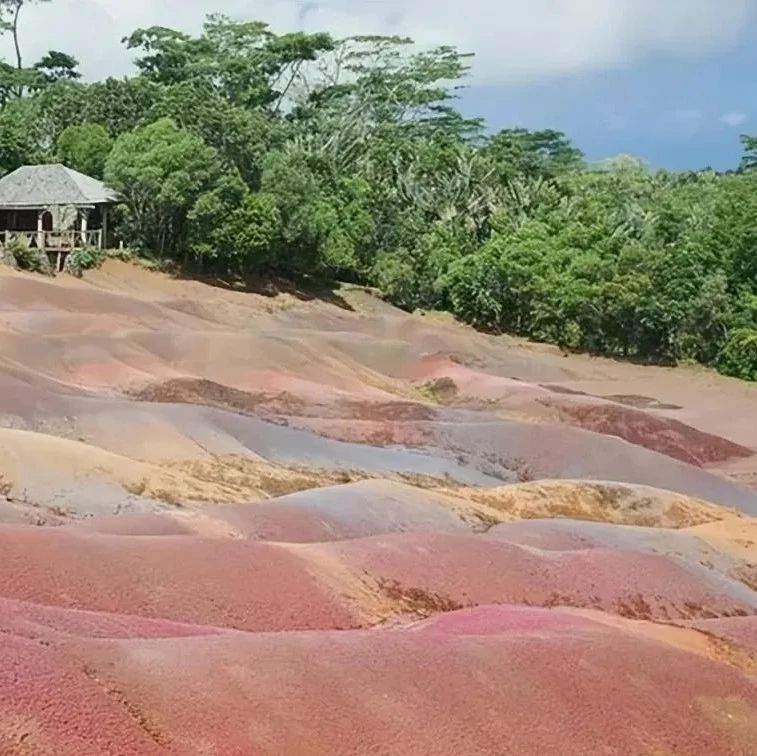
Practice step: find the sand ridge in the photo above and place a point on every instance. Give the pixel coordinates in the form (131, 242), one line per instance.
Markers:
(235, 520)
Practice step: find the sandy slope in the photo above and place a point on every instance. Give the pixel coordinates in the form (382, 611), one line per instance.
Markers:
(493, 680)
(522, 551)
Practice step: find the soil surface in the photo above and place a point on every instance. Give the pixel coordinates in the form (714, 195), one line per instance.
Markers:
(236, 523)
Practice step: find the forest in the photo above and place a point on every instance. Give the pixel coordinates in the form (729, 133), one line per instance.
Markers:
(246, 152)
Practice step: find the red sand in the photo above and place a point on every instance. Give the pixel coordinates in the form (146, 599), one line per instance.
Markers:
(246, 585)
(742, 631)
(296, 625)
(50, 705)
(258, 586)
(478, 389)
(498, 680)
(473, 570)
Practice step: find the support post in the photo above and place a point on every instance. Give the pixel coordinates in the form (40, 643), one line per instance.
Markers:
(40, 230)
(104, 235)
(83, 215)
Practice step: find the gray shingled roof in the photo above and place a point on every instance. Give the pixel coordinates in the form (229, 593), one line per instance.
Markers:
(35, 186)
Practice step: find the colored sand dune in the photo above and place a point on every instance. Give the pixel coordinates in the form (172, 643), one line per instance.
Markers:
(235, 524)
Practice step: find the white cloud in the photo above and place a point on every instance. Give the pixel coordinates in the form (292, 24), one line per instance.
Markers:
(515, 40)
(733, 119)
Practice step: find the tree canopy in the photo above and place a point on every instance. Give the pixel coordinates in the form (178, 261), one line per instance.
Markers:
(244, 151)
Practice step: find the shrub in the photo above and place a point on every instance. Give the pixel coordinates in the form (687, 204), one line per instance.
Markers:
(29, 258)
(85, 258)
(394, 275)
(8, 258)
(739, 355)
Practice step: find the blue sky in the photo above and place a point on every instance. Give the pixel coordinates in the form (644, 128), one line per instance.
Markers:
(674, 112)
(667, 80)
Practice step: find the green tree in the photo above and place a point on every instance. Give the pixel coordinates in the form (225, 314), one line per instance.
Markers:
(19, 137)
(242, 137)
(247, 238)
(57, 66)
(749, 160)
(85, 148)
(545, 154)
(10, 23)
(246, 63)
(121, 105)
(161, 172)
(739, 355)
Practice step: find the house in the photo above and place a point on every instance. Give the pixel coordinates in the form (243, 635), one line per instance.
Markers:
(54, 209)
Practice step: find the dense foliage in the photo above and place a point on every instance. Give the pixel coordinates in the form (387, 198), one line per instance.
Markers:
(243, 151)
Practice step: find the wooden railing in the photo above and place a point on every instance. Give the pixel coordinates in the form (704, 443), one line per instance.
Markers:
(55, 241)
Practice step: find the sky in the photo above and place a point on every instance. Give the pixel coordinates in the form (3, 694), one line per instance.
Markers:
(670, 81)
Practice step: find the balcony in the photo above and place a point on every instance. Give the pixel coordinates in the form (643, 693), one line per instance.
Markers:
(54, 241)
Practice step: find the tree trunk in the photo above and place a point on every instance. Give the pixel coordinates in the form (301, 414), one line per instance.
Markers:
(16, 43)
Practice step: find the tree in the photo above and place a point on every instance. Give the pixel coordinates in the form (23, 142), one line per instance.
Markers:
(535, 154)
(121, 105)
(749, 160)
(161, 171)
(739, 355)
(241, 150)
(85, 148)
(247, 237)
(10, 16)
(19, 143)
(241, 136)
(57, 66)
(245, 62)
(730, 230)
(13, 82)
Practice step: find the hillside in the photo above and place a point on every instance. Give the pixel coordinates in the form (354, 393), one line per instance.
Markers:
(242, 523)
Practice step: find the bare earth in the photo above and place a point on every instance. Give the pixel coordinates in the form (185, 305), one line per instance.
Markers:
(233, 523)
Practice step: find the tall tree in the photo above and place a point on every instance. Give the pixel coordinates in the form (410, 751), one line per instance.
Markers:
(749, 160)
(245, 62)
(57, 66)
(85, 148)
(161, 172)
(545, 154)
(10, 17)
(246, 150)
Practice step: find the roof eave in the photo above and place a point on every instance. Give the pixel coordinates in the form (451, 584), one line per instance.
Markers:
(38, 206)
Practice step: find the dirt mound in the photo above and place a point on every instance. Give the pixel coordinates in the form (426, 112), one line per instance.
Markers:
(660, 434)
(272, 405)
(600, 502)
(184, 579)
(636, 419)
(740, 633)
(641, 402)
(515, 451)
(474, 682)
(210, 393)
(344, 584)
(736, 537)
(79, 479)
(221, 506)
(354, 510)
